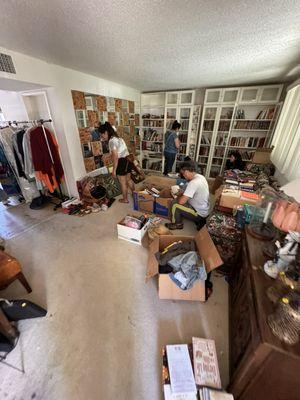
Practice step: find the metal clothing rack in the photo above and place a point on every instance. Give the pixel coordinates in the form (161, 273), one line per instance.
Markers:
(33, 122)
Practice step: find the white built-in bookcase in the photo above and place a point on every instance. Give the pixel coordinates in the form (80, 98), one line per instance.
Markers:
(240, 118)
(158, 111)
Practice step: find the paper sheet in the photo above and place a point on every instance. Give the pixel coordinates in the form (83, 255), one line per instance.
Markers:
(181, 371)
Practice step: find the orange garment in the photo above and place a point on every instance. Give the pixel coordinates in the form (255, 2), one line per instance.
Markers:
(44, 178)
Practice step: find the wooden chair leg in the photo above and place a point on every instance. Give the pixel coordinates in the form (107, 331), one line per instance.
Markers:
(24, 282)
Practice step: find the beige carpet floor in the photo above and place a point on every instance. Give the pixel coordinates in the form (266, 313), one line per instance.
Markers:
(102, 336)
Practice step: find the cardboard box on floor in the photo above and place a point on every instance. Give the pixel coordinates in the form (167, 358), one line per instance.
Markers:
(262, 155)
(130, 234)
(146, 202)
(230, 198)
(166, 287)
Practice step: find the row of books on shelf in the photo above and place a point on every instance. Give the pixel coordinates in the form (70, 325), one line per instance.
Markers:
(152, 135)
(204, 151)
(247, 155)
(183, 137)
(208, 125)
(224, 126)
(255, 141)
(149, 146)
(153, 124)
(152, 116)
(184, 124)
(219, 152)
(259, 125)
(267, 113)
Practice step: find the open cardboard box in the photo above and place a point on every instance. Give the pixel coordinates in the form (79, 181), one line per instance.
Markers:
(166, 287)
(262, 155)
(229, 198)
(148, 203)
(163, 203)
(130, 234)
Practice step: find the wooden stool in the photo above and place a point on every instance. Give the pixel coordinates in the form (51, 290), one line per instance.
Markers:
(10, 270)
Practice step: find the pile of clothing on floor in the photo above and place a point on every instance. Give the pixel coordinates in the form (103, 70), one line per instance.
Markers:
(80, 209)
(226, 235)
(181, 261)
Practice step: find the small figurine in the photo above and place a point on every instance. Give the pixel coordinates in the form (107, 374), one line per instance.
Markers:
(285, 255)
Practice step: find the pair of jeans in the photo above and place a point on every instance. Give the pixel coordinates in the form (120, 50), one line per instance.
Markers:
(169, 161)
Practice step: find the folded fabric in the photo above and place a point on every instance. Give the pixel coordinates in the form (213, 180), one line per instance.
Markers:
(165, 269)
(187, 269)
(173, 250)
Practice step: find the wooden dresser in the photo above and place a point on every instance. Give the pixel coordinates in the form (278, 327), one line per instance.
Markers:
(261, 366)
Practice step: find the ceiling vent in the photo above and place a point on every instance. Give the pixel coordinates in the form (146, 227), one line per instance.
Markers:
(6, 64)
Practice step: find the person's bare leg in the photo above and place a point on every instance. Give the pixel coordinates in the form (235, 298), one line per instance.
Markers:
(130, 183)
(124, 188)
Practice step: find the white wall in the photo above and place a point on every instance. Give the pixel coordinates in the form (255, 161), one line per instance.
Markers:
(12, 106)
(59, 82)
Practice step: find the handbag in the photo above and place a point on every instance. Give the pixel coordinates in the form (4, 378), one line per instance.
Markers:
(137, 174)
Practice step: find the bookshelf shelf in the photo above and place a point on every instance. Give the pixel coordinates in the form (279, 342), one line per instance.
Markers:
(251, 130)
(152, 141)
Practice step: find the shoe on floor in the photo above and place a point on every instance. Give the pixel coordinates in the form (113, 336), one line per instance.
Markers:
(172, 226)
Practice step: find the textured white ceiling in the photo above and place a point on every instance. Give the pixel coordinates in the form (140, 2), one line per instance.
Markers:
(160, 44)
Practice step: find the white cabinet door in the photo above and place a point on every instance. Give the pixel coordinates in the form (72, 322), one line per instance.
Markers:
(213, 96)
(208, 127)
(171, 115)
(270, 94)
(172, 98)
(184, 118)
(230, 95)
(187, 97)
(249, 95)
(220, 139)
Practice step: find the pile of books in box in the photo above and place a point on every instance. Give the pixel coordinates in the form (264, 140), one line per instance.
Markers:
(191, 372)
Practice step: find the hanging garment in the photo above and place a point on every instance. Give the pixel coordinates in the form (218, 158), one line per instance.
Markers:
(7, 178)
(28, 165)
(45, 155)
(17, 140)
(28, 189)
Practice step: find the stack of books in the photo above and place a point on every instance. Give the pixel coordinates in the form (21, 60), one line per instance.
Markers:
(191, 372)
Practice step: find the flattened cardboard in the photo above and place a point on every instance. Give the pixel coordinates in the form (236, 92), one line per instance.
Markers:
(166, 288)
(161, 181)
